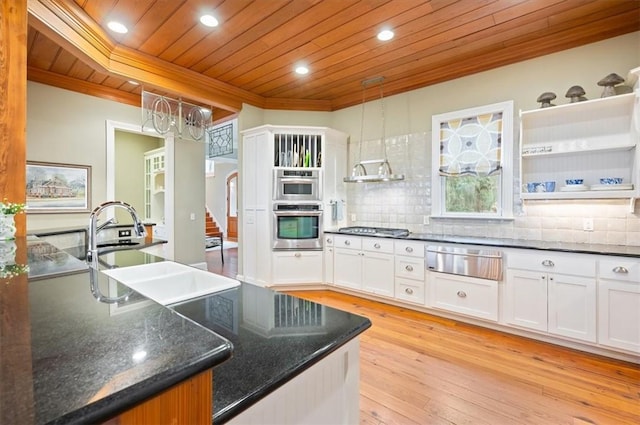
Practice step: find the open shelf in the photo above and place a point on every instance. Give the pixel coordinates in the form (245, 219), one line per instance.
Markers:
(590, 140)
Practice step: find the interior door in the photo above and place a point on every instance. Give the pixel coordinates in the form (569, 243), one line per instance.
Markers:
(232, 207)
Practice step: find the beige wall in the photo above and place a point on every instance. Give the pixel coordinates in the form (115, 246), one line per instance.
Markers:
(67, 127)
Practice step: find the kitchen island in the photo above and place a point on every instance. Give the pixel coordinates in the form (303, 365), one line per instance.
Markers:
(70, 354)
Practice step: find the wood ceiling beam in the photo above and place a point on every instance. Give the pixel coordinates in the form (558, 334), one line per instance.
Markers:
(81, 86)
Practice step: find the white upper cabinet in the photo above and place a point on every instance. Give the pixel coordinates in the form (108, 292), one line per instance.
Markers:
(586, 140)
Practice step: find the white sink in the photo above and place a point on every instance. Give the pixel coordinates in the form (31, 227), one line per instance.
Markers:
(168, 282)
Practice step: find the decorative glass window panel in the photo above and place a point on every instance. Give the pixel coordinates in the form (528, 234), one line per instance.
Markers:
(220, 140)
(471, 146)
(472, 173)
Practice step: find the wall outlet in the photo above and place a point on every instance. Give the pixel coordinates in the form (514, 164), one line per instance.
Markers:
(192, 216)
(587, 224)
(353, 217)
(124, 233)
(425, 220)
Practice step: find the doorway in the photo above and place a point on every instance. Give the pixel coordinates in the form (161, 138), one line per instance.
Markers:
(112, 129)
(232, 206)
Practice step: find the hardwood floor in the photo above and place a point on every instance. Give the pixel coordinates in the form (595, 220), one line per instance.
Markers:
(422, 369)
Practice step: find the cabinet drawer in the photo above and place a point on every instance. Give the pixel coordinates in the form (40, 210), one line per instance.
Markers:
(410, 290)
(410, 268)
(377, 245)
(348, 242)
(623, 269)
(573, 264)
(409, 248)
(465, 295)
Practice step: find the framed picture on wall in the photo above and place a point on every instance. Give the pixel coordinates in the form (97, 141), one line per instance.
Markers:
(58, 188)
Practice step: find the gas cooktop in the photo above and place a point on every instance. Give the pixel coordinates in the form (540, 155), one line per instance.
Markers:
(374, 231)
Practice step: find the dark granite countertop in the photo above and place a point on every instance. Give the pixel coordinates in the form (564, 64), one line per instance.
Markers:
(275, 337)
(69, 358)
(74, 359)
(582, 248)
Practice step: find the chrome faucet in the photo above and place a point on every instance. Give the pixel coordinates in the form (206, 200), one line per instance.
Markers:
(92, 241)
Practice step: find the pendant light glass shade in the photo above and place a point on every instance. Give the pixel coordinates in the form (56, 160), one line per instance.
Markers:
(359, 171)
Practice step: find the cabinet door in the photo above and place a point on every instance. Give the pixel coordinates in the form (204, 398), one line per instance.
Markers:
(328, 259)
(572, 306)
(292, 267)
(377, 273)
(347, 268)
(619, 314)
(525, 299)
(328, 265)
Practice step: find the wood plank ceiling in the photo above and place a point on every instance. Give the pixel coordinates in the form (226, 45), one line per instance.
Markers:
(249, 57)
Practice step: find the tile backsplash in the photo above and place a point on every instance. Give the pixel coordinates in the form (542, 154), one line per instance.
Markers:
(407, 204)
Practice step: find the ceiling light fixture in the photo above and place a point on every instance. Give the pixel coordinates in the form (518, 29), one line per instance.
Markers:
(117, 27)
(359, 172)
(385, 35)
(302, 70)
(133, 83)
(209, 21)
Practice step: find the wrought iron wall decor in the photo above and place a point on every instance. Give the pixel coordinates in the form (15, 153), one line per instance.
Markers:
(164, 114)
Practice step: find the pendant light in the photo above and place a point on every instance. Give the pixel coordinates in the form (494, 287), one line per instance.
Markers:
(359, 171)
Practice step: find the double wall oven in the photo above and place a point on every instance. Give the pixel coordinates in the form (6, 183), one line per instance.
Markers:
(297, 210)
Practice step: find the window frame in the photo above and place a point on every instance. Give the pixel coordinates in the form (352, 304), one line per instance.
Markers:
(505, 195)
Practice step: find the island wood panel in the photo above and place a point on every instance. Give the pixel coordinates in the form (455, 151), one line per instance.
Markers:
(16, 373)
(13, 105)
(422, 369)
(190, 402)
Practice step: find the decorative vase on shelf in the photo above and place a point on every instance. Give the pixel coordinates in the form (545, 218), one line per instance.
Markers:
(7, 227)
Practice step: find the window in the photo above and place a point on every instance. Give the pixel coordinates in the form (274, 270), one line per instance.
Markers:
(472, 154)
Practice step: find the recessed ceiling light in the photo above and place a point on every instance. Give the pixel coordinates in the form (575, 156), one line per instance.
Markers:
(209, 21)
(385, 35)
(117, 27)
(133, 83)
(302, 70)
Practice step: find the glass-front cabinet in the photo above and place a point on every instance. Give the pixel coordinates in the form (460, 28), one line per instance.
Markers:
(154, 188)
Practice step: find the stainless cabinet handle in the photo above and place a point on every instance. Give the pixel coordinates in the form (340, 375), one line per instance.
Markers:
(461, 294)
(409, 291)
(548, 263)
(347, 242)
(408, 268)
(620, 269)
(408, 249)
(376, 246)
(297, 254)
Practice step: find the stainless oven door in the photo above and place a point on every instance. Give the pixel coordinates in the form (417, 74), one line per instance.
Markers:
(297, 230)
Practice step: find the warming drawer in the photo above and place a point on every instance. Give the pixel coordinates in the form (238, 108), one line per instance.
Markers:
(480, 263)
